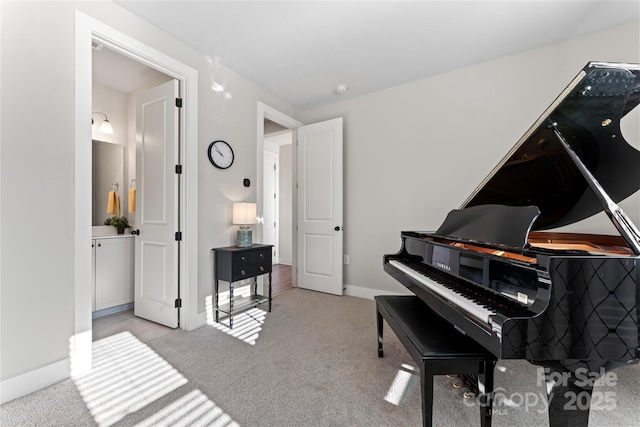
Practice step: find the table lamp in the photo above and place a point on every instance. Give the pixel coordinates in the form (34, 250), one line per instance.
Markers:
(244, 214)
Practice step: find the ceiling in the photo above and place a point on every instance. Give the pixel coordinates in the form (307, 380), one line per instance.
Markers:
(121, 73)
(301, 50)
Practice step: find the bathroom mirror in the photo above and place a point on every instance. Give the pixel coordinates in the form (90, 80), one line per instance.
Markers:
(107, 169)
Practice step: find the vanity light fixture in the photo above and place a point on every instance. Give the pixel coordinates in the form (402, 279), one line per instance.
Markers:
(105, 126)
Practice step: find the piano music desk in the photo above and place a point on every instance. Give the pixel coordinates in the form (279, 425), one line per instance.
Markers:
(437, 348)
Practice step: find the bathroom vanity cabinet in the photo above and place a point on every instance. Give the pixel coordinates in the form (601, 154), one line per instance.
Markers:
(112, 271)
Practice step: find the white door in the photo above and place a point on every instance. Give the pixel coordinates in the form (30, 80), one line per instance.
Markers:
(270, 202)
(320, 206)
(157, 148)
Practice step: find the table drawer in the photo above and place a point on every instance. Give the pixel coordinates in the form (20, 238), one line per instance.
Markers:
(247, 257)
(251, 269)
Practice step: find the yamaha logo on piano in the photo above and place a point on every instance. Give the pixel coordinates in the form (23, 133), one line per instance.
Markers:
(443, 266)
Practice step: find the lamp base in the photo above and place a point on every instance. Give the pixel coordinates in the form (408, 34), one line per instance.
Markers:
(244, 237)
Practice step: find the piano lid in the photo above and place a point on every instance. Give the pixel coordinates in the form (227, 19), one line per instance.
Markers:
(539, 171)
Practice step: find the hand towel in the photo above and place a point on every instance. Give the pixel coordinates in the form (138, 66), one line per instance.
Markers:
(132, 200)
(113, 205)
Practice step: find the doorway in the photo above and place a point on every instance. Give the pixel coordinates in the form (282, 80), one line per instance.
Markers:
(87, 31)
(276, 124)
(277, 205)
(317, 153)
(117, 83)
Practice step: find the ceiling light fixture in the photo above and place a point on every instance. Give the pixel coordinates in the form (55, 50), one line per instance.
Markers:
(105, 126)
(340, 89)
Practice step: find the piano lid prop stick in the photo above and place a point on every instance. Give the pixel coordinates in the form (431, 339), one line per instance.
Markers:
(621, 221)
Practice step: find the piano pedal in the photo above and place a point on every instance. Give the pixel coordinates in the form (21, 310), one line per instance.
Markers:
(459, 384)
(469, 395)
(453, 377)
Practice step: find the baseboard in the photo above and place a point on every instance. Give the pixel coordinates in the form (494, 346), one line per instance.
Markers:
(197, 321)
(35, 380)
(369, 293)
(111, 310)
(285, 261)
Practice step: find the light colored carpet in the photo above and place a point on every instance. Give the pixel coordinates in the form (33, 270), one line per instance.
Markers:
(312, 361)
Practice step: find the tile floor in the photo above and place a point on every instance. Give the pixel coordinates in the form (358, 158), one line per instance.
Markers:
(112, 324)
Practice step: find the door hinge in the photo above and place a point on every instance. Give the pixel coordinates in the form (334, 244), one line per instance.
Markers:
(178, 236)
(179, 102)
(178, 303)
(179, 169)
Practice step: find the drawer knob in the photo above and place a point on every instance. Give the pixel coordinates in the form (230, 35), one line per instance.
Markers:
(261, 255)
(243, 273)
(244, 258)
(261, 268)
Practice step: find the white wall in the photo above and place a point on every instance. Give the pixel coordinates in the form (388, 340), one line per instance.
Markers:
(37, 110)
(416, 151)
(286, 204)
(115, 105)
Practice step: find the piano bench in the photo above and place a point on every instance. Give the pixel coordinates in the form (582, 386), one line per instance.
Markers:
(438, 348)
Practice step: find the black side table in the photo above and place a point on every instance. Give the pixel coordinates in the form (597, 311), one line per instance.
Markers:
(231, 264)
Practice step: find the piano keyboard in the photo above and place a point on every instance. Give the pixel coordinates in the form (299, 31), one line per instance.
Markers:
(440, 286)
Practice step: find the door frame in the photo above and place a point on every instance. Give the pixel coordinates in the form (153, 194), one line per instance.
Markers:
(276, 214)
(88, 29)
(267, 112)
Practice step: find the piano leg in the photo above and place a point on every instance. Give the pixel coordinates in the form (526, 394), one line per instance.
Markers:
(380, 327)
(480, 385)
(569, 399)
(485, 392)
(570, 386)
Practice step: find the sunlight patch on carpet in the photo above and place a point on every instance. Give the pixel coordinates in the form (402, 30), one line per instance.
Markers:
(400, 385)
(246, 325)
(192, 409)
(127, 376)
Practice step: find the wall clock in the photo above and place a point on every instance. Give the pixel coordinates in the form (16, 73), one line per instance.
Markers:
(220, 154)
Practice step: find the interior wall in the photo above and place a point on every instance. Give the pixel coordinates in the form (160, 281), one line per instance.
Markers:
(286, 204)
(37, 159)
(37, 179)
(115, 105)
(414, 152)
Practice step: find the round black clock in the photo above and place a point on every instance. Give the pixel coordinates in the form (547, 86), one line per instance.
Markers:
(220, 154)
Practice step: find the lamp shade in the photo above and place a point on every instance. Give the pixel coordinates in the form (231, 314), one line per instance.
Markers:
(106, 127)
(244, 213)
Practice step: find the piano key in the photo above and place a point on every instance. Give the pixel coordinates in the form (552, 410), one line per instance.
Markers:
(474, 309)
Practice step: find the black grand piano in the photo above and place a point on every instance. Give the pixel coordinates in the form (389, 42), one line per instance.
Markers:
(498, 271)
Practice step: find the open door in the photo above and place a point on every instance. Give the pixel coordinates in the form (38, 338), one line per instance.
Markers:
(320, 206)
(157, 251)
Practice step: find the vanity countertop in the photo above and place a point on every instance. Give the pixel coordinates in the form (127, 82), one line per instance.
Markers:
(108, 232)
(113, 236)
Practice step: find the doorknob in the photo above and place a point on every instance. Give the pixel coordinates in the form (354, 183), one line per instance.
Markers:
(337, 228)
(135, 232)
